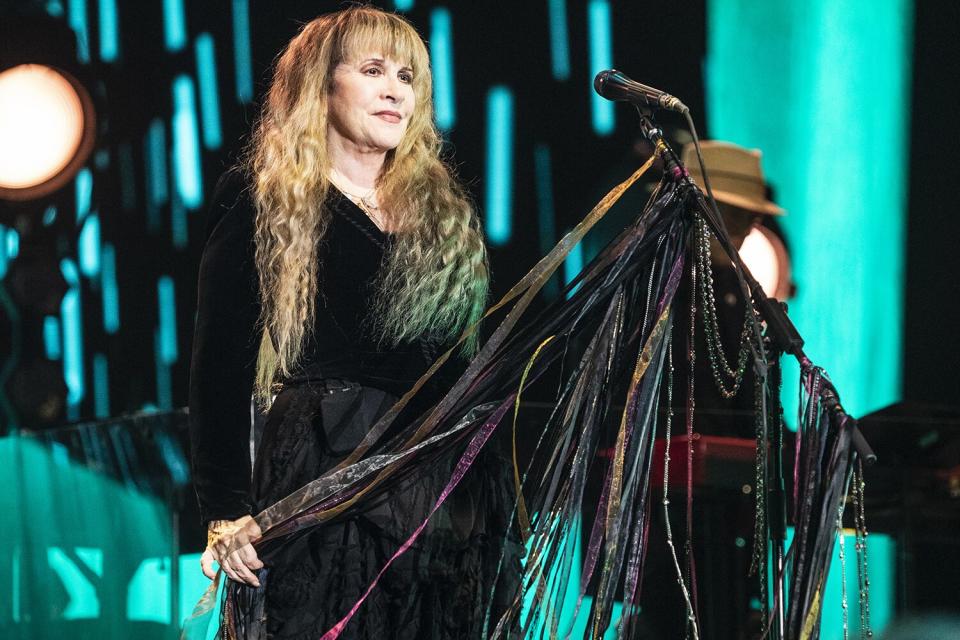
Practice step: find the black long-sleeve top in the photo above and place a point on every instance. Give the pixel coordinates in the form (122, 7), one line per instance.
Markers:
(227, 336)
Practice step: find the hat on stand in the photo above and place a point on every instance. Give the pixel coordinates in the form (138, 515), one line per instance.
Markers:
(735, 175)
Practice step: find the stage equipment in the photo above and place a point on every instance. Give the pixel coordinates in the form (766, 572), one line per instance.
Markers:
(766, 256)
(47, 116)
(46, 130)
(827, 448)
(615, 85)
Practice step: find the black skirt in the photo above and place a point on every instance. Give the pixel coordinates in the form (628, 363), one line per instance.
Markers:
(440, 588)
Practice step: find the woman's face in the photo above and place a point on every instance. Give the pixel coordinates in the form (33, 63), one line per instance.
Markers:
(372, 101)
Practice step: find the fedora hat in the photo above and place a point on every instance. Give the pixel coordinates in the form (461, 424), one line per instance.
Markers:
(735, 175)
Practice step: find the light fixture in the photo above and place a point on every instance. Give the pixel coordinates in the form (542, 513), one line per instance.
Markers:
(766, 256)
(47, 130)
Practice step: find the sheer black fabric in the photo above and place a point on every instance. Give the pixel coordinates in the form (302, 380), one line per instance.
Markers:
(442, 586)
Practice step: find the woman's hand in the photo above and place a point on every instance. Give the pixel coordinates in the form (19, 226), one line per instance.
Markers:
(229, 543)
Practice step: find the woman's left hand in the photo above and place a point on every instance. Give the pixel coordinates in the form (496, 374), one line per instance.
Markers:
(229, 542)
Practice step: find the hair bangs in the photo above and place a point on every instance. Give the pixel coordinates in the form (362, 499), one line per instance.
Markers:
(376, 32)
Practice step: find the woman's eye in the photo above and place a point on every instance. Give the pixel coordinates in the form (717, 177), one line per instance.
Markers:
(406, 77)
(372, 71)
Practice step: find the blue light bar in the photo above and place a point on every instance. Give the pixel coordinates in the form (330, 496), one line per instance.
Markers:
(441, 58)
(167, 318)
(84, 192)
(77, 19)
(49, 215)
(174, 25)
(600, 57)
(155, 155)
(72, 320)
(109, 291)
(89, 246)
(243, 66)
(4, 260)
(51, 337)
(403, 5)
(209, 95)
(164, 383)
(559, 39)
(499, 170)
(573, 265)
(178, 223)
(186, 143)
(13, 243)
(109, 33)
(101, 386)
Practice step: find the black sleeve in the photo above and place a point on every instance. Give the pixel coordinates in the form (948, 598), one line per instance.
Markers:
(225, 344)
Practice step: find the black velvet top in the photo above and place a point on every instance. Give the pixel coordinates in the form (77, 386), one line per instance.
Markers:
(226, 337)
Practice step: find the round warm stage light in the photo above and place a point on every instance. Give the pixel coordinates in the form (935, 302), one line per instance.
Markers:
(766, 258)
(46, 130)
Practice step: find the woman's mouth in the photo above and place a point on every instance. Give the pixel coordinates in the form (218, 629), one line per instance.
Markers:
(388, 116)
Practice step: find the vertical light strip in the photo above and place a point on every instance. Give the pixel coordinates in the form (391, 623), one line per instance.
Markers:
(441, 59)
(572, 266)
(178, 223)
(167, 320)
(88, 248)
(77, 19)
(600, 58)
(174, 25)
(101, 386)
(403, 5)
(109, 290)
(109, 31)
(832, 122)
(51, 338)
(546, 214)
(499, 169)
(4, 260)
(164, 383)
(243, 66)
(72, 320)
(12, 241)
(559, 39)
(209, 94)
(155, 155)
(186, 143)
(83, 189)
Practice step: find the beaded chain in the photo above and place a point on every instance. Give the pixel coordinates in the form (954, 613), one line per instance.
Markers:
(718, 361)
(860, 527)
(843, 573)
(758, 561)
(691, 615)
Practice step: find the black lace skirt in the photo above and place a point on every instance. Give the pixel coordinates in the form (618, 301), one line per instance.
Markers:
(440, 588)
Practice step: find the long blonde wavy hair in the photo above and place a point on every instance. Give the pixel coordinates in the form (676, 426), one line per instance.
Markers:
(435, 279)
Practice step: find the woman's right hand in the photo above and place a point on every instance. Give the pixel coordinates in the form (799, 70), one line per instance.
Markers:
(229, 542)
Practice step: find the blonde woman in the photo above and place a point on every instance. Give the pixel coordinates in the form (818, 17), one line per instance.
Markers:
(342, 256)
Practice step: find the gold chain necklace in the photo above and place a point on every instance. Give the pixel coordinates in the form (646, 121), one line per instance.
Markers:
(371, 210)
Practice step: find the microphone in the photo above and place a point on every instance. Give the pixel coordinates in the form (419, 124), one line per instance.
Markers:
(615, 85)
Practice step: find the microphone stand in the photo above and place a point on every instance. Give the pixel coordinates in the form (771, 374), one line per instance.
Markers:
(782, 337)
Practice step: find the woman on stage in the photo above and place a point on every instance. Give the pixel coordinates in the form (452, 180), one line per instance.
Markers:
(343, 255)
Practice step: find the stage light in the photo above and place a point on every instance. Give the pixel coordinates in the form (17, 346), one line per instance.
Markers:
(766, 257)
(46, 130)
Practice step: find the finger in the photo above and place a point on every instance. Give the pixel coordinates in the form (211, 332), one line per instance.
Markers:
(206, 564)
(229, 570)
(249, 556)
(241, 569)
